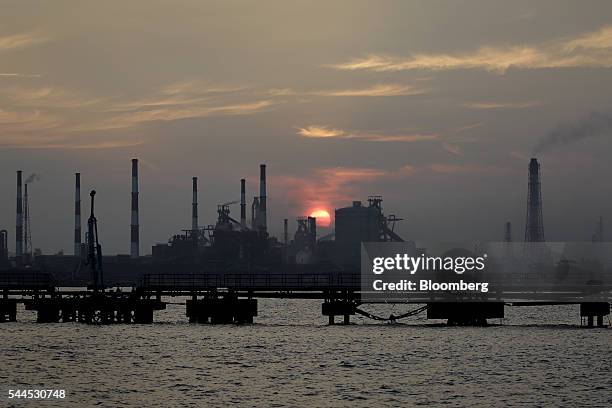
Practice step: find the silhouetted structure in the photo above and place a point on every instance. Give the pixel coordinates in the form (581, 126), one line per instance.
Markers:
(77, 214)
(263, 212)
(27, 232)
(534, 230)
(194, 207)
(3, 248)
(19, 221)
(508, 232)
(94, 249)
(243, 222)
(357, 224)
(135, 239)
(285, 231)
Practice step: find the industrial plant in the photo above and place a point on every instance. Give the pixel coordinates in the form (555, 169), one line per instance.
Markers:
(232, 245)
(224, 266)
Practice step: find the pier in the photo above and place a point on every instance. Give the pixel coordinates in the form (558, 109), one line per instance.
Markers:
(231, 299)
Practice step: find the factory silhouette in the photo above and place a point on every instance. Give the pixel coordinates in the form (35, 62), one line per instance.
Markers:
(235, 245)
(223, 268)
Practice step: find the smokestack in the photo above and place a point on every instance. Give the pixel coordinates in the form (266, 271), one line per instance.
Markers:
(312, 230)
(27, 240)
(243, 220)
(134, 236)
(77, 214)
(3, 247)
(286, 232)
(262, 197)
(534, 229)
(194, 206)
(19, 220)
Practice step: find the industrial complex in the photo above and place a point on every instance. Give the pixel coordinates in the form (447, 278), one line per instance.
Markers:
(224, 266)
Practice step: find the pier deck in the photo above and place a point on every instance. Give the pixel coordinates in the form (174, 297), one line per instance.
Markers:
(230, 298)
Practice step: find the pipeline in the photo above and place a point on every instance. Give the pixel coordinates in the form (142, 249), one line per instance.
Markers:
(391, 317)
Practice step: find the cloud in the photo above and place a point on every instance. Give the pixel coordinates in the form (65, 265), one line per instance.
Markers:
(27, 121)
(199, 87)
(469, 127)
(179, 100)
(18, 75)
(451, 148)
(601, 39)
(68, 144)
(16, 41)
(327, 132)
(588, 50)
(46, 97)
(55, 112)
(130, 119)
(321, 132)
(376, 91)
(281, 92)
(502, 105)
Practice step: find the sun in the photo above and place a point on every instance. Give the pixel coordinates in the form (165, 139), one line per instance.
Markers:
(322, 216)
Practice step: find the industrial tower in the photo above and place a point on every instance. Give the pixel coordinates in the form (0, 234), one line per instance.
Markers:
(534, 229)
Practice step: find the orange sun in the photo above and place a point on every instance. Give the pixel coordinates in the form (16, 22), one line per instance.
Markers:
(322, 216)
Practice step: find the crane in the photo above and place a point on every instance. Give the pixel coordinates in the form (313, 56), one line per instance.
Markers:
(94, 249)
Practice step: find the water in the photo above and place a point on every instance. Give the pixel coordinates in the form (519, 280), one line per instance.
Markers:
(290, 357)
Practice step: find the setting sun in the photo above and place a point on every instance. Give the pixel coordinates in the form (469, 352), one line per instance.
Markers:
(322, 216)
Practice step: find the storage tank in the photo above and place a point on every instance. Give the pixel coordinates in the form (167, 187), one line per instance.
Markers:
(354, 225)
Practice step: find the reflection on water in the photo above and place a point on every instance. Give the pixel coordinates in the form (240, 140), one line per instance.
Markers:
(291, 358)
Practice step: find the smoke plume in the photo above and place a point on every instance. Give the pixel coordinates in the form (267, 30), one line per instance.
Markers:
(596, 124)
(32, 178)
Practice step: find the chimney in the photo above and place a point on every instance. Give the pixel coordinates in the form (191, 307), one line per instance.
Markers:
(194, 206)
(134, 236)
(243, 203)
(312, 230)
(286, 232)
(534, 230)
(77, 214)
(262, 197)
(19, 220)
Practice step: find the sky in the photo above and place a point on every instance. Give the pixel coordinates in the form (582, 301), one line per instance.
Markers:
(437, 106)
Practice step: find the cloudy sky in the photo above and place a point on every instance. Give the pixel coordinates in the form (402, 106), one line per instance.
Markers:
(436, 105)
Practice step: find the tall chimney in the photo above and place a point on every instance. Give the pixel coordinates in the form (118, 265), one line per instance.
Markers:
(312, 230)
(134, 236)
(262, 197)
(534, 229)
(77, 214)
(194, 207)
(286, 231)
(19, 220)
(243, 220)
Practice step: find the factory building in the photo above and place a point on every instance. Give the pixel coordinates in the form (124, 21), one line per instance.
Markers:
(359, 223)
